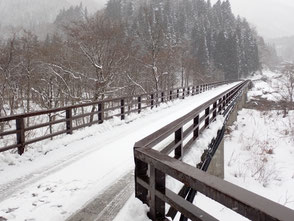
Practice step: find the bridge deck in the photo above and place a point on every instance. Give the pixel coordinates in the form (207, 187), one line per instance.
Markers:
(54, 186)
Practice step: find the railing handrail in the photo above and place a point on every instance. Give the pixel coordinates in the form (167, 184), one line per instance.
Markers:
(102, 109)
(152, 166)
(250, 205)
(54, 110)
(175, 125)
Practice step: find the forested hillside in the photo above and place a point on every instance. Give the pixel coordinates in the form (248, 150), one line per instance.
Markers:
(210, 36)
(131, 47)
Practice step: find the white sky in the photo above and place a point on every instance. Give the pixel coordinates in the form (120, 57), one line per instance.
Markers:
(272, 18)
(101, 2)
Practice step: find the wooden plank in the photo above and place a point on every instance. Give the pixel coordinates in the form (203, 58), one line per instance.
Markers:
(246, 203)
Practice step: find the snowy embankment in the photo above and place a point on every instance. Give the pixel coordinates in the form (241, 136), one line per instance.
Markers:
(259, 155)
(53, 180)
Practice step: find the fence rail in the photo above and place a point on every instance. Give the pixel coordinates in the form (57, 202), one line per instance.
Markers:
(65, 120)
(159, 155)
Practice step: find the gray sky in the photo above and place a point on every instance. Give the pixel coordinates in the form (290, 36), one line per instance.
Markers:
(272, 18)
(101, 3)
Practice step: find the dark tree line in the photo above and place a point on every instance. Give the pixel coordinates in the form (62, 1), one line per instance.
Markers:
(216, 42)
(130, 47)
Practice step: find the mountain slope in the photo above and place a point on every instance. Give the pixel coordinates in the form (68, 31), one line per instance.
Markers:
(29, 13)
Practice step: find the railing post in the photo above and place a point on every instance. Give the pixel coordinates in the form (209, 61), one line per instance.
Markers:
(152, 101)
(157, 206)
(184, 93)
(178, 93)
(162, 97)
(139, 104)
(193, 90)
(122, 109)
(220, 105)
(68, 116)
(20, 135)
(171, 95)
(207, 115)
(214, 109)
(188, 91)
(141, 169)
(196, 130)
(178, 138)
(101, 112)
(226, 100)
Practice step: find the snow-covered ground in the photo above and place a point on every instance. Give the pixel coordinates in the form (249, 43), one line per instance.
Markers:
(53, 180)
(259, 154)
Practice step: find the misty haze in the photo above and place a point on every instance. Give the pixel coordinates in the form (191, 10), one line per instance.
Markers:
(139, 110)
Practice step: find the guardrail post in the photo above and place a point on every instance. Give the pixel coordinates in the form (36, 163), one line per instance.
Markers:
(171, 95)
(193, 90)
(152, 101)
(196, 130)
(220, 105)
(183, 93)
(207, 115)
(157, 206)
(178, 92)
(139, 104)
(178, 138)
(141, 169)
(101, 112)
(68, 114)
(20, 135)
(122, 109)
(225, 100)
(162, 97)
(214, 109)
(188, 92)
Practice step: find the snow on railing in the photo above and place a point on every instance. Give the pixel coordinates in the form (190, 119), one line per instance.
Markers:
(54, 122)
(160, 155)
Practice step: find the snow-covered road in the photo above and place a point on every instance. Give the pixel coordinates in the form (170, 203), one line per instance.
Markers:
(81, 166)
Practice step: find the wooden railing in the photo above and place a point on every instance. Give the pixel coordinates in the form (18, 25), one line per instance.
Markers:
(51, 123)
(160, 155)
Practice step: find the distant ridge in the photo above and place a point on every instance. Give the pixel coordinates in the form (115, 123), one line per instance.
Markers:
(29, 13)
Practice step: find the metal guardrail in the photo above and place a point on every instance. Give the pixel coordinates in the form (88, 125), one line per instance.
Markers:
(97, 113)
(153, 162)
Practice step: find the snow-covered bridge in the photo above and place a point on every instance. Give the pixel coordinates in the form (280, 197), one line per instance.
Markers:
(91, 167)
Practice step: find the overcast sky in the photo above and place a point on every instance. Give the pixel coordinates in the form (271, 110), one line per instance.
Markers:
(272, 18)
(101, 2)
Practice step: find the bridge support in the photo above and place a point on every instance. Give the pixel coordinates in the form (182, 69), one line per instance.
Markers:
(216, 166)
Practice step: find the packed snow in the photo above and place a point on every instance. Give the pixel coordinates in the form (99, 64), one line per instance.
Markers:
(53, 180)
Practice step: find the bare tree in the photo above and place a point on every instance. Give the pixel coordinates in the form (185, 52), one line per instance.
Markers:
(286, 88)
